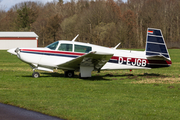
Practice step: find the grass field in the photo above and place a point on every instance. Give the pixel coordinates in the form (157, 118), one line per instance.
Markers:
(115, 95)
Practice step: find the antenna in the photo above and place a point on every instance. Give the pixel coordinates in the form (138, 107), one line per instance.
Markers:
(75, 38)
(116, 46)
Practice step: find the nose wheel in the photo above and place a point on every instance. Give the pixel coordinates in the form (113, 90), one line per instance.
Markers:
(35, 75)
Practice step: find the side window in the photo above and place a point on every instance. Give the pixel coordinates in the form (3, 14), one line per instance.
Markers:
(81, 48)
(65, 47)
(53, 45)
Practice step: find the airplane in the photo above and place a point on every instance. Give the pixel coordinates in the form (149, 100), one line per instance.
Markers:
(71, 56)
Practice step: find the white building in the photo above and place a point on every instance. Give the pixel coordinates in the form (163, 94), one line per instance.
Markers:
(10, 40)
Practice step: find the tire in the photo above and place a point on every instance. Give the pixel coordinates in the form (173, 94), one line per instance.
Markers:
(80, 76)
(69, 74)
(35, 75)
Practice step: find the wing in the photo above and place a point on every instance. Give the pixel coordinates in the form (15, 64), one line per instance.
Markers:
(92, 59)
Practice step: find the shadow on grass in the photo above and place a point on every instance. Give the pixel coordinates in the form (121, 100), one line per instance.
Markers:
(140, 75)
(97, 78)
(94, 78)
(107, 77)
(136, 76)
(55, 74)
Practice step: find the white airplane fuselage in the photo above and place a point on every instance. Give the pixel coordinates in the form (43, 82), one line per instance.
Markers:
(122, 59)
(61, 52)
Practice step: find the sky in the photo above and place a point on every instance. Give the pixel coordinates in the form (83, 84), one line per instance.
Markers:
(7, 4)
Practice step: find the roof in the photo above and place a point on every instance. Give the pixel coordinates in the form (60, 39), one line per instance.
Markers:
(18, 34)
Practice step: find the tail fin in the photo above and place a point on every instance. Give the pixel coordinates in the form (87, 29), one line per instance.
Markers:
(155, 44)
(156, 47)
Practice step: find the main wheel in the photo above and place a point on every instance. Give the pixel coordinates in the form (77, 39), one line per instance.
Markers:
(35, 75)
(69, 73)
(80, 76)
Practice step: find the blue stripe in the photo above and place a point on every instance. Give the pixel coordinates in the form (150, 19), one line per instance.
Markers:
(113, 61)
(72, 56)
(51, 54)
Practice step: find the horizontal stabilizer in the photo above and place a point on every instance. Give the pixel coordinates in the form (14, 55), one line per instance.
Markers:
(158, 57)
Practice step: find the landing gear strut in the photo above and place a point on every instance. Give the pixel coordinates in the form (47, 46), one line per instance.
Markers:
(35, 75)
(69, 73)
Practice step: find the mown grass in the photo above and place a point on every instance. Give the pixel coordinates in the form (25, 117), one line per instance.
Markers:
(140, 94)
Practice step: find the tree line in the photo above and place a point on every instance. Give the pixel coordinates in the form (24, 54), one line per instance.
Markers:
(101, 22)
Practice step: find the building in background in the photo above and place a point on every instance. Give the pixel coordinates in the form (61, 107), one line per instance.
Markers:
(10, 40)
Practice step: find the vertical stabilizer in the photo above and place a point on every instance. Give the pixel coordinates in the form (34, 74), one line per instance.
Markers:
(155, 44)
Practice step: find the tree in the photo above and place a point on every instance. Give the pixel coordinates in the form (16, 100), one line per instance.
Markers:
(53, 26)
(105, 34)
(26, 16)
(129, 26)
(69, 27)
(7, 20)
(103, 22)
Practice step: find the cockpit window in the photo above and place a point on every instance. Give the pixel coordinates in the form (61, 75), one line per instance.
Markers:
(53, 45)
(82, 48)
(65, 47)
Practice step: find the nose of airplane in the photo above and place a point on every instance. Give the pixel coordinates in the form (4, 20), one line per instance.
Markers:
(12, 51)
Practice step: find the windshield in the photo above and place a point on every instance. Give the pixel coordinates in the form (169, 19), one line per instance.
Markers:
(53, 45)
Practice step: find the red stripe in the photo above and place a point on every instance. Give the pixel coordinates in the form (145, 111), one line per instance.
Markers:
(115, 57)
(17, 38)
(48, 51)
